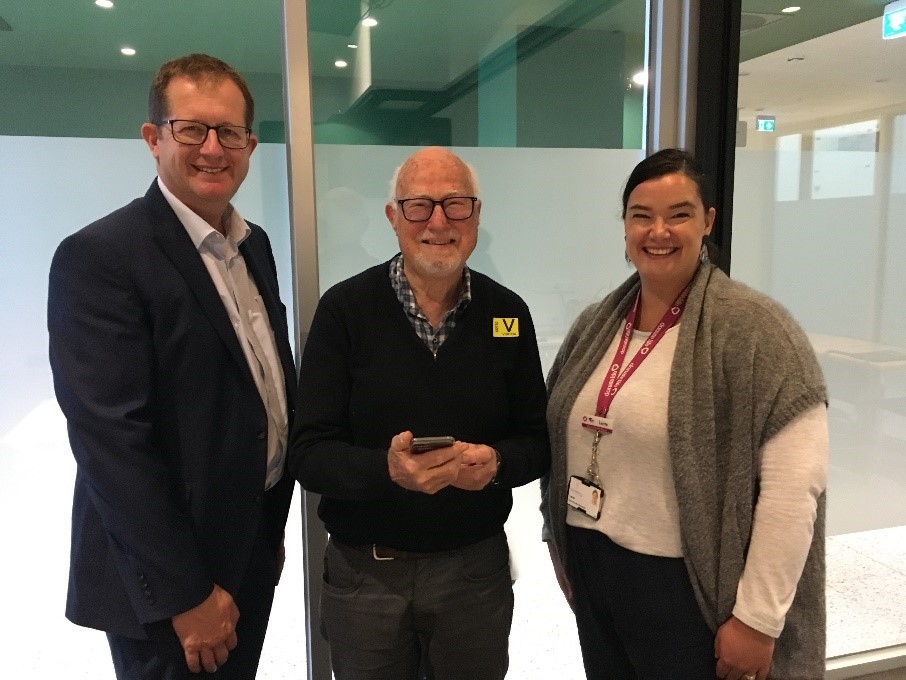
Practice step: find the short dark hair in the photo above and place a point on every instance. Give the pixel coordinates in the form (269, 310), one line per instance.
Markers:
(668, 162)
(200, 68)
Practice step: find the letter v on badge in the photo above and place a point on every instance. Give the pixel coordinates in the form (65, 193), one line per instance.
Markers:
(506, 327)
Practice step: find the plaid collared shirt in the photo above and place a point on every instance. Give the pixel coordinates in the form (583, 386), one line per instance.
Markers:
(432, 337)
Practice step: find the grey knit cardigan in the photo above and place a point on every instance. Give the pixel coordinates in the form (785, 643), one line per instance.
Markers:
(743, 369)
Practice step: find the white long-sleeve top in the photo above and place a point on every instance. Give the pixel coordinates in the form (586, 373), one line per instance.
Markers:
(640, 510)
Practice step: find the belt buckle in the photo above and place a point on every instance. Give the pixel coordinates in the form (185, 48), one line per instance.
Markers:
(377, 557)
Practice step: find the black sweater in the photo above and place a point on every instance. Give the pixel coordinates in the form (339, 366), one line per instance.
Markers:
(366, 376)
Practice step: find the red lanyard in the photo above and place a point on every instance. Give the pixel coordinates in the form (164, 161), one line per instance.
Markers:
(616, 378)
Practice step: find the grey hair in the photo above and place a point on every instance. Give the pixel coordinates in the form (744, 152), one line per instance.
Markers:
(473, 180)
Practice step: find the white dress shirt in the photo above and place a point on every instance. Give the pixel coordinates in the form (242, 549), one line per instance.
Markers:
(237, 290)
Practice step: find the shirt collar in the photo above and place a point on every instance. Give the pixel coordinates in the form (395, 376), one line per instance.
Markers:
(404, 291)
(237, 230)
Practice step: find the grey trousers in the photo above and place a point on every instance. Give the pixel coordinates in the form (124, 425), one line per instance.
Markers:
(446, 616)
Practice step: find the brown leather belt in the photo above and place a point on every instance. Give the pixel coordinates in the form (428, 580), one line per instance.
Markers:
(383, 553)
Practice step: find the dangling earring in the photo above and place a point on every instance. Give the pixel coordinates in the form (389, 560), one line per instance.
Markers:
(703, 253)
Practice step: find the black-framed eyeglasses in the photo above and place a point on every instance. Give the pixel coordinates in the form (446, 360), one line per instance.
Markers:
(195, 133)
(454, 207)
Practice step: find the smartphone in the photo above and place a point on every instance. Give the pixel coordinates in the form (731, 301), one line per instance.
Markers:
(422, 444)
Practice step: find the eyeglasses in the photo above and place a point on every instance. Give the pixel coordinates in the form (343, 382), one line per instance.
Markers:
(196, 133)
(454, 207)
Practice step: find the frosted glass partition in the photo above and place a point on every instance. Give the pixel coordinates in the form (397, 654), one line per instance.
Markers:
(844, 160)
(550, 222)
(834, 258)
(789, 160)
(49, 188)
(836, 264)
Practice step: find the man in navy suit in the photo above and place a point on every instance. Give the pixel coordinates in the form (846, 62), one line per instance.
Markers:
(172, 364)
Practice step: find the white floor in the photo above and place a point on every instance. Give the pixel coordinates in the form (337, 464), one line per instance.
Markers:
(866, 591)
(866, 579)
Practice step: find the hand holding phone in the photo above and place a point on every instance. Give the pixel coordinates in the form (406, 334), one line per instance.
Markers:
(416, 464)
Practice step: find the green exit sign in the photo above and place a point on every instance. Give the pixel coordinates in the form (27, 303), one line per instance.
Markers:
(894, 20)
(765, 123)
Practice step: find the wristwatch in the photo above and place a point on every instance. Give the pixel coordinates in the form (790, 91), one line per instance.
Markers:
(495, 480)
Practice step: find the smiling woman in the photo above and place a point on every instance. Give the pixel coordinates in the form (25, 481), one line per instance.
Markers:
(666, 221)
(707, 471)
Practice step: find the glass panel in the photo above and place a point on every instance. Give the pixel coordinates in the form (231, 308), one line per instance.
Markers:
(538, 97)
(540, 74)
(817, 225)
(844, 160)
(70, 152)
(789, 165)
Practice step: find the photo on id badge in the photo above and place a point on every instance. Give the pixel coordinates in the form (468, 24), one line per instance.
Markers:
(585, 496)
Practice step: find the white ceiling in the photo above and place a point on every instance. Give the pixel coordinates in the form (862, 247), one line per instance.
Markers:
(841, 76)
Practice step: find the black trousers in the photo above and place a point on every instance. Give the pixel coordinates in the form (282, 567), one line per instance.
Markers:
(637, 615)
(161, 656)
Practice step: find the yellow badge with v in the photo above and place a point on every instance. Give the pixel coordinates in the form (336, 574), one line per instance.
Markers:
(506, 327)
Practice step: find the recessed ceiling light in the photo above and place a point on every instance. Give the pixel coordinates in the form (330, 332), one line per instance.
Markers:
(106, 4)
(128, 51)
(339, 63)
(352, 46)
(790, 10)
(369, 22)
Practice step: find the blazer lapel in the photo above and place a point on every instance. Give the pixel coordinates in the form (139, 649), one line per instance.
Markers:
(174, 241)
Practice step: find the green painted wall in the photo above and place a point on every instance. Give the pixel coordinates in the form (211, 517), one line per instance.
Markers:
(59, 102)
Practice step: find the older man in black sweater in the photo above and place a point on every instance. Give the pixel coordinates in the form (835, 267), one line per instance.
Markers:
(417, 567)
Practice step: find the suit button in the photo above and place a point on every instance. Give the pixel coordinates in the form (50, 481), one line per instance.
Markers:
(262, 434)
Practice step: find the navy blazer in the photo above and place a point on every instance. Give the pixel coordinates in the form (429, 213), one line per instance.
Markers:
(166, 425)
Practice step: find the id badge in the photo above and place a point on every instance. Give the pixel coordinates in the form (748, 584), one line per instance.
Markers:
(585, 496)
(597, 423)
